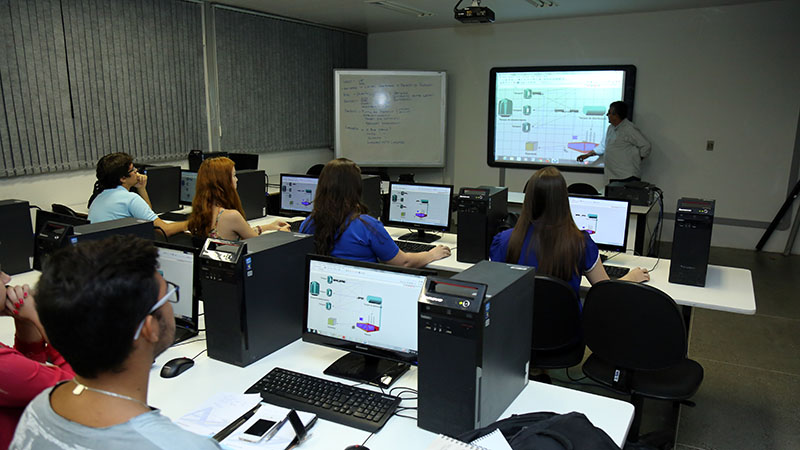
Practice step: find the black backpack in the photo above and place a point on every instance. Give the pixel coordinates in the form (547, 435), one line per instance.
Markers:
(546, 431)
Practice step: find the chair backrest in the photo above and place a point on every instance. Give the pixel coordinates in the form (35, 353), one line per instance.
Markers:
(62, 209)
(556, 314)
(633, 326)
(315, 170)
(582, 188)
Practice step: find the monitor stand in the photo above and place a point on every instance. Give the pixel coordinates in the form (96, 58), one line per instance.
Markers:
(419, 236)
(367, 369)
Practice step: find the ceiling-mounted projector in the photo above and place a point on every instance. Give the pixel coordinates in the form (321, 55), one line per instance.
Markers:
(473, 14)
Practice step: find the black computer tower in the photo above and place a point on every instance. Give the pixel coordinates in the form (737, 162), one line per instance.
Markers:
(481, 210)
(371, 195)
(474, 352)
(691, 241)
(16, 236)
(163, 187)
(252, 188)
(253, 292)
(129, 226)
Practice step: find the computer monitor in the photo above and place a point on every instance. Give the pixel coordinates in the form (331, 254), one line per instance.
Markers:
(604, 219)
(367, 309)
(188, 186)
(129, 226)
(164, 187)
(421, 207)
(244, 161)
(177, 264)
(297, 194)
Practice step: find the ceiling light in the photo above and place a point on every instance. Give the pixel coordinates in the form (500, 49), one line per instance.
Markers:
(542, 3)
(398, 7)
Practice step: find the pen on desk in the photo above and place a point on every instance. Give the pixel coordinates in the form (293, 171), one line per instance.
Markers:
(225, 432)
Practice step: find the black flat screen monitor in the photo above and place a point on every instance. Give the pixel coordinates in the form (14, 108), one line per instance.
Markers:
(548, 116)
(367, 309)
(163, 187)
(297, 194)
(604, 219)
(177, 264)
(421, 207)
(188, 186)
(244, 161)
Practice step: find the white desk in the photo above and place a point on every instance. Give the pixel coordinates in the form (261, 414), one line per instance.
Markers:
(188, 391)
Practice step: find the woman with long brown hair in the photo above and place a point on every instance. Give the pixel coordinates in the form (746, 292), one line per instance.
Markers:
(216, 208)
(341, 227)
(546, 236)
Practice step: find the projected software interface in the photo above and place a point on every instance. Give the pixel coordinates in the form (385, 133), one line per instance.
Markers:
(177, 266)
(605, 220)
(297, 193)
(363, 305)
(552, 117)
(417, 204)
(188, 183)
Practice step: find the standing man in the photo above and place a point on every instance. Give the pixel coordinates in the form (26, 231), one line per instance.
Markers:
(107, 309)
(624, 149)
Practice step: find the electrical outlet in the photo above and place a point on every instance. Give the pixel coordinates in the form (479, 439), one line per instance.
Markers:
(709, 145)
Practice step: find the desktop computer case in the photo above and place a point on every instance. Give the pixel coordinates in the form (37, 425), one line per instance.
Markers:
(691, 241)
(253, 303)
(16, 236)
(472, 366)
(252, 188)
(478, 219)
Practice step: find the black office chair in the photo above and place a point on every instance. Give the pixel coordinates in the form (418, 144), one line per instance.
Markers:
(639, 344)
(66, 210)
(315, 170)
(582, 189)
(557, 341)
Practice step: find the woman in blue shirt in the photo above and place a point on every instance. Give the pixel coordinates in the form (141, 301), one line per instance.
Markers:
(546, 236)
(342, 229)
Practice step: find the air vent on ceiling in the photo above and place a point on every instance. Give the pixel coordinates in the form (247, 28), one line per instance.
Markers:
(542, 3)
(399, 7)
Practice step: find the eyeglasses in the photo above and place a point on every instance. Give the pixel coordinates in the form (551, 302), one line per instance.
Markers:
(168, 297)
(134, 170)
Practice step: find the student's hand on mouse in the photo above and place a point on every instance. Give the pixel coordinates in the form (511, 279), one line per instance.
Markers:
(280, 226)
(637, 275)
(440, 252)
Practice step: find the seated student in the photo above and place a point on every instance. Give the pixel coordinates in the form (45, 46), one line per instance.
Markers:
(24, 371)
(112, 199)
(217, 210)
(107, 309)
(546, 236)
(341, 227)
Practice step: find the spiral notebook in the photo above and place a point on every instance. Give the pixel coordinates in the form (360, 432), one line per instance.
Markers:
(492, 441)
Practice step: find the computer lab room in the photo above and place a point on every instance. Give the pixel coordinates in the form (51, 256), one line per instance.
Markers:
(389, 224)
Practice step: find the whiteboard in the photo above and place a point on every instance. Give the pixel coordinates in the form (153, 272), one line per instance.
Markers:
(390, 118)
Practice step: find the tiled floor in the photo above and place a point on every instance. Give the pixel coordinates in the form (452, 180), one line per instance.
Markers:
(750, 396)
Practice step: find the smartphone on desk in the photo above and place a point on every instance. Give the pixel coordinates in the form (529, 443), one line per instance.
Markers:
(263, 428)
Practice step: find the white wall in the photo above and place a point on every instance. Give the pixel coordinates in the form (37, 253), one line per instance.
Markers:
(727, 74)
(74, 188)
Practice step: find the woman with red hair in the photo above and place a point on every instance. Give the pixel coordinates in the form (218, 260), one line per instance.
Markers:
(217, 210)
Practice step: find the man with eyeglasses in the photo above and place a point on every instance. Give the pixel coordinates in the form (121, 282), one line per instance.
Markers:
(112, 197)
(104, 305)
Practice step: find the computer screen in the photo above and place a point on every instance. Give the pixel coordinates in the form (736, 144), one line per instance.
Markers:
(164, 187)
(549, 115)
(366, 308)
(188, 185)
(420, 206)
(177, 264)
(297, 193)
(604, 219)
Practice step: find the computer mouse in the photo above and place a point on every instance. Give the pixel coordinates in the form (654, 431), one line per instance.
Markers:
(175, 367)
(356, 447)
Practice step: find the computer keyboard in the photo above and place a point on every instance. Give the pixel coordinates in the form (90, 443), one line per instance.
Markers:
(174, 216)
(355, 407)
(615, 272)
(413, 247)
(296, 225)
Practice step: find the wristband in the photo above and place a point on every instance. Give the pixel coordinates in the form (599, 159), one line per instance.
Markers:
(258, 227)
